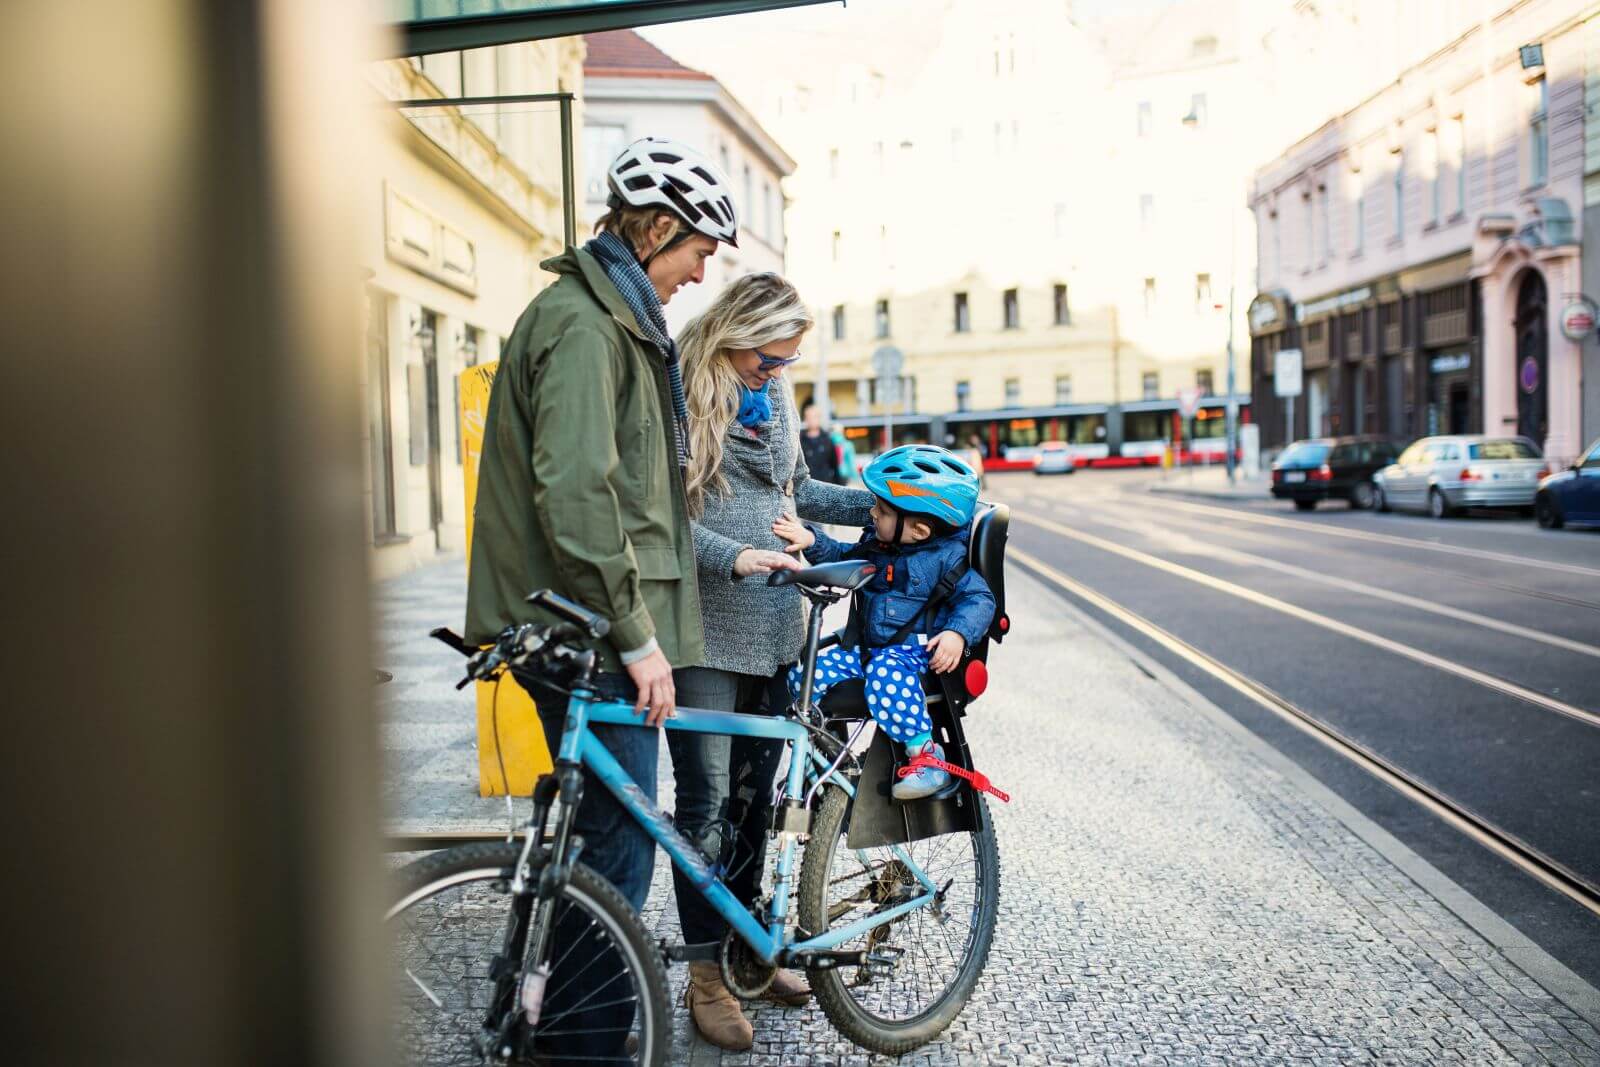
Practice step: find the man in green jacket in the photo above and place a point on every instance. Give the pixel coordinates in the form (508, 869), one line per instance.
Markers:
(581, 491)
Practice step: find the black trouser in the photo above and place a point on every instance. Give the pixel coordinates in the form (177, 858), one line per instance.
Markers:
(724, 790)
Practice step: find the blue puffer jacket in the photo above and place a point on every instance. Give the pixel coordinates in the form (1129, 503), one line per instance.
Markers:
(905, 580)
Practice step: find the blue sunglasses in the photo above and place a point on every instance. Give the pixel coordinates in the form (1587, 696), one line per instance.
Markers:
(769, 362)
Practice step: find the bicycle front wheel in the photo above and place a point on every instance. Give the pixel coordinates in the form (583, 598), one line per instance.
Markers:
(605, 1001)
(923, 966)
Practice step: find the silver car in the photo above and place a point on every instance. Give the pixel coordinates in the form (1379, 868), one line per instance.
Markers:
(1442, 475)
(1054, 458)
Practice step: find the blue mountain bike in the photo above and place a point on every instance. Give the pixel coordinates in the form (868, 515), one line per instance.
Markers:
(517, 952)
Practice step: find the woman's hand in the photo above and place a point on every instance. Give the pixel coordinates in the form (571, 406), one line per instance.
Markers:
(760, 561)
(944, 651)
(795, 532)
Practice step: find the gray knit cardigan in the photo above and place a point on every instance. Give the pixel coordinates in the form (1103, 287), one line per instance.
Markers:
(751, 627)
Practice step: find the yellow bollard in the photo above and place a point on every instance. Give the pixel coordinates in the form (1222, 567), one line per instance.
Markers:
(512, 752)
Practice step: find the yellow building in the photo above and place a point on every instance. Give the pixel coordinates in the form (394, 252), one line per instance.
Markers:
(464, 204)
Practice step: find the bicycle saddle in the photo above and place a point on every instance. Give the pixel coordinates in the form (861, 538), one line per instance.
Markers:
(846, 574)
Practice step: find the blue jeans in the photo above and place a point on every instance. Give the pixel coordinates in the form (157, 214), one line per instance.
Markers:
(618, 850)
(724, 791)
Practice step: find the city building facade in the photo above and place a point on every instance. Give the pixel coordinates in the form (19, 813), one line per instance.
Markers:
(633, 89)
(465, 203)
(1421, 246)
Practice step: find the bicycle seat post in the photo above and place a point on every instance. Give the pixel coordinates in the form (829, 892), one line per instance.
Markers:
(819, 599)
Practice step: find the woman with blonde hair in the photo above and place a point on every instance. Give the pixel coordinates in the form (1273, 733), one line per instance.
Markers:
(745, 472)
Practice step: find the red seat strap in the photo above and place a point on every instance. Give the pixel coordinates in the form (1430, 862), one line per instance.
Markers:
(979, 780)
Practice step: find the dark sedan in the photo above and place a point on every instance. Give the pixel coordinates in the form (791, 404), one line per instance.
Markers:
(1331, 468)
(1572, 495)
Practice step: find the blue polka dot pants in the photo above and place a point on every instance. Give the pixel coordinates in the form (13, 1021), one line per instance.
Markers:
(893, 685)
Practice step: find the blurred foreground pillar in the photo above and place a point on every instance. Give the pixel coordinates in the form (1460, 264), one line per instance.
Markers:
(186, 689)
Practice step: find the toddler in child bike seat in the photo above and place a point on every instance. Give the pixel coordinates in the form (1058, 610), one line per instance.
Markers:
(923, 586)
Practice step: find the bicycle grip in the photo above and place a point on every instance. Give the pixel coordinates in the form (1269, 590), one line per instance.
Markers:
(591, 624)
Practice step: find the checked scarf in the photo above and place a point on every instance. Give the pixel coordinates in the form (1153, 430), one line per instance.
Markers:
(627, 274)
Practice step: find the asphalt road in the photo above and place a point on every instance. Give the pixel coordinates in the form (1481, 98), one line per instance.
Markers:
(1467, 652)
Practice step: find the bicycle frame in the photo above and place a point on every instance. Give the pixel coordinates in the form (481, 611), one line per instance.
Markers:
(579, 745)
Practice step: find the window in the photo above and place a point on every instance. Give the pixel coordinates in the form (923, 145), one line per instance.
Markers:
(1149, 296)
(1063, 309)
(1196, 119)
(1398, 193)
(963, 396)
(880, 320)
(1144, 118)
(963, 322)
(1201, 47)
(1434, 162)
(1202, 292)
(766, 208)
(471, 346)
(1147, 211)
(1277, 244)
(601, 144)
(1008, 303)
(833, 162)
(1358, 215)
(1504, 448)
(1324, 223)
(1538, 132)
(1458, 161)
(1061, 221)
(749, 189)
(838, 322)
(1063, 389)
(727, 161)
(1310, 231)
(838, 243)
(1203, 382)
(1013, 392)
(380, 438)
(1152, 385)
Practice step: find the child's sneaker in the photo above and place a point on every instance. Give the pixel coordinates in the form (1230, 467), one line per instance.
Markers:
(924, 781)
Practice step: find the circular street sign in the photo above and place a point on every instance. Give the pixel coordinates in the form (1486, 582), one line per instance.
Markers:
(1577, 320)
(1528, 375)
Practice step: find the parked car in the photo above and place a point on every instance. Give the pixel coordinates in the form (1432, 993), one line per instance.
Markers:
(1572, 495)
(1054, 458)
(1442, 475)
(1331, 468)
(973, 458)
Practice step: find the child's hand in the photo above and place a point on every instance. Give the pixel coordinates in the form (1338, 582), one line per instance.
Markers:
(944, 651)
(794, 531)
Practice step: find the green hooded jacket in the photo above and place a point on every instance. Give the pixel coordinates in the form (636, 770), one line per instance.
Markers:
(579, 488)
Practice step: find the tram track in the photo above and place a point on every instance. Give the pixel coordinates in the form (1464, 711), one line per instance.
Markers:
(1508, 846)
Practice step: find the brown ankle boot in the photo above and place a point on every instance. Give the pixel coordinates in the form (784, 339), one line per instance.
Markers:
(788, 989)
(715, 1011)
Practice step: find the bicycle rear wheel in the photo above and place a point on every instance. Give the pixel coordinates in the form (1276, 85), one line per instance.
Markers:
(605, 1002)
(924, 964)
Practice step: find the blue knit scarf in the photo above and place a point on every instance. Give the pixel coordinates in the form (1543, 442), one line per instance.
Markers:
(755, 407)
(627, 274)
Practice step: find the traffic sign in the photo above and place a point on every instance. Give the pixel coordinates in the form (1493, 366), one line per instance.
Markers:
(1189, 401)
(1286, 372)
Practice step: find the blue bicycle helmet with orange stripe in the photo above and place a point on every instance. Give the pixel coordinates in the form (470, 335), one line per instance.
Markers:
(924, 480)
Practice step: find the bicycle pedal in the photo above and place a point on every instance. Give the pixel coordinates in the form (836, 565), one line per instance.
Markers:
(881, 961)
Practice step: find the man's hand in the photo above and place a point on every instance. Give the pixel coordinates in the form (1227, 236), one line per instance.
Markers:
(944, 651)
(653, 676)
(794, 531)
(760, 561)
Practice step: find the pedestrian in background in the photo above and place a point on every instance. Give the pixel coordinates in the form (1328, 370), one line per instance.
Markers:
(745, 473)
(581, 491)
(822, 459)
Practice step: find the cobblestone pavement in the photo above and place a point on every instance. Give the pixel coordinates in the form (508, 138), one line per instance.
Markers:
(1168, 896)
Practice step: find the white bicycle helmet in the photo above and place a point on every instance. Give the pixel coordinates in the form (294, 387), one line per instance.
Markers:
(656, 172)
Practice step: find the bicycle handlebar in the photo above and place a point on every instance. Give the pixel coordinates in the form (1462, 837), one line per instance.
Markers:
(591, 625)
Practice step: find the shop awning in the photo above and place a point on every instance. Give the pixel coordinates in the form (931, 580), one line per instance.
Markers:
(447, 25)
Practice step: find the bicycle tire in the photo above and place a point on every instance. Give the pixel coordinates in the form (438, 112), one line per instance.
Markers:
(489, 863)
(849, 1016)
